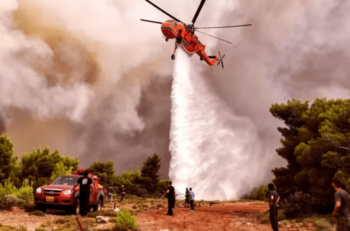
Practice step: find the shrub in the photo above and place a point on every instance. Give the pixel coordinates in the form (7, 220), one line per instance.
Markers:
(298, 205)
(323, 225)
(265, 217)
(9, 201)
(26, 191)
(125, 218)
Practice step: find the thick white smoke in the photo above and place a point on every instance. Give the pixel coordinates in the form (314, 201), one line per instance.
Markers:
(210, 146)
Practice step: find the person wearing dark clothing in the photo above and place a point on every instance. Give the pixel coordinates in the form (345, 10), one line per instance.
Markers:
(122, 193)
(85, 187)
(187, 198)
(171, 198)
(341, 209)
(110, 193)
(273, 198)
(191, 200)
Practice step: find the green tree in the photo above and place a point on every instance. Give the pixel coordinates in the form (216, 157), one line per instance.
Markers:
(38, 166)
(59, 170)
(105, 171)
(316, 146)
(130, 179)
(291, 114)
(149, 173)
(7, 161)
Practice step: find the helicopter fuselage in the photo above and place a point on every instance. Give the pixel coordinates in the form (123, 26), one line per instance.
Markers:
(184, 35)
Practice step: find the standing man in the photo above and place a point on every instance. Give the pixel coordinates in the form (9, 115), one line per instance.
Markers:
(110, 193)
(85, 188)
(274, 198)
(341, 198)
(192, 200)
(171, 198)
(122, 193)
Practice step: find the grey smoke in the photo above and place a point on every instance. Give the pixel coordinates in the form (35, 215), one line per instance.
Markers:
(122, 110)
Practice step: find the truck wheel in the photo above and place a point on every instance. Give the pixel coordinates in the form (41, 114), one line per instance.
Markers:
(41, 208)
(98, 206)
(76, 207)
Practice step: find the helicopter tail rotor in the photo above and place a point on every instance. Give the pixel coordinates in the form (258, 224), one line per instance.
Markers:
(221, 60)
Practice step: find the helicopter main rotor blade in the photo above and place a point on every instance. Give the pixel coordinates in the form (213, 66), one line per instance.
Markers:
(223, 26)
(144, 20)
(198, 11)
(214, 37)
(163, 11)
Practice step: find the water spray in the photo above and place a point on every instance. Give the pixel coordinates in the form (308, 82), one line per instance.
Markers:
(210, 146)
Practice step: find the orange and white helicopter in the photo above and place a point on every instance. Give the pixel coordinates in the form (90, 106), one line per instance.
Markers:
(184, 34)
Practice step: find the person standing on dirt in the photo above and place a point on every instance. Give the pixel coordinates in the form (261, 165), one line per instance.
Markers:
(171, 198)
(274, 198)
(187, 198)
(192, 200)
(122, 193)
(341, 198)
(85, 188)
(110, 193)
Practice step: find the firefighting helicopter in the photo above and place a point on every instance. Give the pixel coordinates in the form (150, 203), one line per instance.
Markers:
(184, 34)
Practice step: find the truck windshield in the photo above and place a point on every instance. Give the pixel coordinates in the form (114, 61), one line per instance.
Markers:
(65, 180)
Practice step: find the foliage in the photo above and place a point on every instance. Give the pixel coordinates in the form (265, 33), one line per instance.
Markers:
(8, 202)
(163, 185)
(149, 173)
(60, 169)
(316, 145)
(126, 218)
(265, 216)
(105, 171)
(298, 205)
(258, 194)
(38, 166)
(7, 161)
(129, 179)
(323, 225)
(11, 228)
(25, 192)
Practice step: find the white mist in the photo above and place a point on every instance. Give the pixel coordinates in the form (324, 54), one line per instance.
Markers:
(213, 151)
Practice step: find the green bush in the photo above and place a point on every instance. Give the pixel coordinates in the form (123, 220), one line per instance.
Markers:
(298, 205)
(25, 192)
(323, 225)
(265, 217)
(6, 189)
(9, 201)
(127, 219)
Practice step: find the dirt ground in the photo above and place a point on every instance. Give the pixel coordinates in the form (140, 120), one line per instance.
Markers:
(240, 216)
(231, 216)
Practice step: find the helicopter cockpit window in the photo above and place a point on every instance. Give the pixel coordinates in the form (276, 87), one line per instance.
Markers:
(172, 22)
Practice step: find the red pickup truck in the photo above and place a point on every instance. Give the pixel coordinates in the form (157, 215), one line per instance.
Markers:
(58, 194)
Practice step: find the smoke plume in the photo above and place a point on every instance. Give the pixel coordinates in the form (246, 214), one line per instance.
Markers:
(87, 77)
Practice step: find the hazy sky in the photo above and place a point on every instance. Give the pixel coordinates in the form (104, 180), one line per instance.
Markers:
(89, 78)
